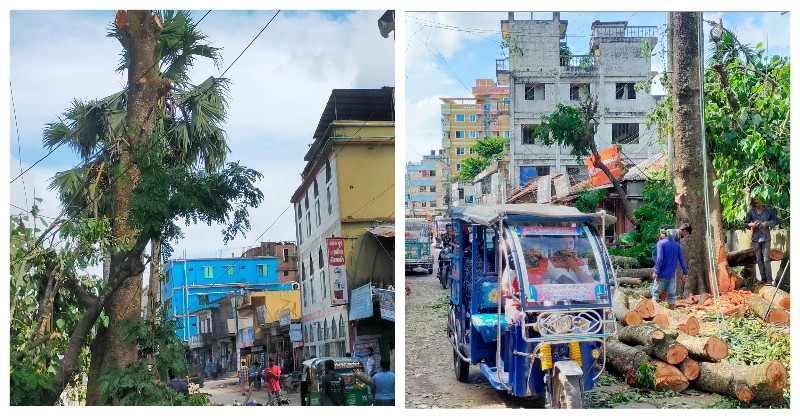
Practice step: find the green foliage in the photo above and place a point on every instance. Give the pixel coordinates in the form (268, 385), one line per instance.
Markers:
(645, 375)
(487, 149)
(510, 45)
(658, 208)
(490, 148)
(471, 167)
(588, 200)
(567, 127)
(629, 395)
(29, 383)
(747, 126)
(442, 303)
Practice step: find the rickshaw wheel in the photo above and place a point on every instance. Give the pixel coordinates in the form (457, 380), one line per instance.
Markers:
(567, 393)
(460, 367)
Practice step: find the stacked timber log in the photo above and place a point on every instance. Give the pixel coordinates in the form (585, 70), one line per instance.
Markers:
(621, 310)
(748, 257)
(770, 314)
(681, 360)
(781, 298)
(673, 319)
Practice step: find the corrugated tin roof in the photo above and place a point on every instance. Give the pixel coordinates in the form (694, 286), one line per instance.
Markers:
(489, 214)
(644, 169)
(383, 230)
(357, 104)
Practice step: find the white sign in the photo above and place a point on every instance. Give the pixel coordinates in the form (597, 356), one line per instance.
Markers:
(286, 317)
(296, 333)
(562, 186)
(543, 192)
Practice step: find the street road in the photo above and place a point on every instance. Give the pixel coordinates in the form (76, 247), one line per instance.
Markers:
(225, 391)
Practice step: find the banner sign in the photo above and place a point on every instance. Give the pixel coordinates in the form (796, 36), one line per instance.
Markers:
(525, 231)
(246, 337)
(296, 333)
(543, 190)
(361, 303)
(561, 184)
(286, 317)
(611, 159)
(360, 350)
(559, 292)
(337, 273)
(261, 314)
(386, 298)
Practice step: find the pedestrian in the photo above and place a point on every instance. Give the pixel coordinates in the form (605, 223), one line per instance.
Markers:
(179, 385)
(332, 386)
(255, 378)
(760, 219)
(244, 377)
(272, 380)
(668, 255)
(370, 366)
(382, 384)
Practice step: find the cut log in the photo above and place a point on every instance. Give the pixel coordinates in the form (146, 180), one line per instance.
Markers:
(704, 348)
(679, 320)
(629, 281)
(622, 262)
(654, 342)
(645, 307)
(748, 257)
(642, 273)
(638, 293)
(624, 360)
(756, 383)
(781, 297)
(624, 315)
(661, 320)
(759, 307)
(690, 368)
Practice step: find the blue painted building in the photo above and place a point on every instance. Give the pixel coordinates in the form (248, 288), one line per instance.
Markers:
(194, 285)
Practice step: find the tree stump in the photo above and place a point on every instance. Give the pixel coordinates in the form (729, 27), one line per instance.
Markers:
(645, 307)
(624, 360)
(704, 348)
(669, 377)
(756, 383)
(679, 320)
(654, 342)
(759, 307)
(661, 320)
(624, 315)
(690, 368)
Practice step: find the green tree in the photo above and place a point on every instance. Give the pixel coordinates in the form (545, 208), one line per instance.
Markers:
(487, 150)
(574, 128)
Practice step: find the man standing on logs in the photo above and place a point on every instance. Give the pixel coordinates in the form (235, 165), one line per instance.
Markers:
(668, 255)
(760, 219)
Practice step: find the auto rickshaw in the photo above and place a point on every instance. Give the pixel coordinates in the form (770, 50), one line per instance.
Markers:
(530, 300)
(356, 392)
(418, 244)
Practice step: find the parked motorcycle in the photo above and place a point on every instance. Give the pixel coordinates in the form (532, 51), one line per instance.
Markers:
(444, 266)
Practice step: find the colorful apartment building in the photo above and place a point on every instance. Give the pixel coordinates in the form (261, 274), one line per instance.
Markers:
(426, 183)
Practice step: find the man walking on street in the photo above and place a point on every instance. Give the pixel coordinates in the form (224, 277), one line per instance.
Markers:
(382, 384)
(332, 386)
(760, 219)
(668, 255)
(244, 378)
(272, 378)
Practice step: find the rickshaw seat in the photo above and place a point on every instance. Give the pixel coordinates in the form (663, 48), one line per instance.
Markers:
(486, 325)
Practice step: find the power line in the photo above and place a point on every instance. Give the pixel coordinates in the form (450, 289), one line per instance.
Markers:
(19, 147)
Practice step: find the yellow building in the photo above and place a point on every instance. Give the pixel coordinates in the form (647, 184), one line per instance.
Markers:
(465, 121)
(347, 196)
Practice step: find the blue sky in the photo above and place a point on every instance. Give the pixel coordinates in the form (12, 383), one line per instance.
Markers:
(446, 51)
(279, 88)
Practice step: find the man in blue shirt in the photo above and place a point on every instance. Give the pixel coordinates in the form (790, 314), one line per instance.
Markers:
(382, 384)
(668, 255)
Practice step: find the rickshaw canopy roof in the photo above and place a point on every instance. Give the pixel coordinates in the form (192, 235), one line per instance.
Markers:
(489, 214)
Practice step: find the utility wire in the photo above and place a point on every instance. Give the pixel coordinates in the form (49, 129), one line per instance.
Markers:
(19, 147)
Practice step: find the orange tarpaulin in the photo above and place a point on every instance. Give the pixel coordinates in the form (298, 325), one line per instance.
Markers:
(611, 158)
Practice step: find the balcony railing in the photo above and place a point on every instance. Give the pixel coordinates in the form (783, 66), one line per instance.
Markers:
(578, 62)
(606, 32)
(502, 65)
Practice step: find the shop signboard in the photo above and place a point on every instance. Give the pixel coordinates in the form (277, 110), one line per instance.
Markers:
(337, 271)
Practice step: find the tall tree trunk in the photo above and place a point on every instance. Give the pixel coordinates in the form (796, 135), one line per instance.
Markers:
(687, 113)
(140, 33)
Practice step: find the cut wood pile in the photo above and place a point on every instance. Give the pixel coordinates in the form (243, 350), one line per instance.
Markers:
(738, 302)
(667, 342)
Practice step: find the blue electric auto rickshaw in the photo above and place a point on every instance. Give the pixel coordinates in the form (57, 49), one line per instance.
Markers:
(530, 300)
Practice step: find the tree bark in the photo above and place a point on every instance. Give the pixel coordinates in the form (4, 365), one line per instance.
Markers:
(704, 348)
(139, 33)
(624, 315)
(154, 286)
(747, 257)
(687, 114)
(630, 281)
(759, 307)
(641, 273)
(781, 297)
(623, 360)
(679, 320)
(654, 342)
(757, 383)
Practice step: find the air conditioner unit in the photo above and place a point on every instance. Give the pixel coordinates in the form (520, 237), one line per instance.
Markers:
(295, 286)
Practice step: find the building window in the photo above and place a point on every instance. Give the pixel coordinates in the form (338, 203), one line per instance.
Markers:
(433, 173)
(285, 255)
(324, 284)
(578, 91)
(424, 204)
(459, 134)
(473, 134)
(208, 272)
(527, 134)
(300, 232)
(472, 151)
(459, 117)
(319, 332)
(342, 329)
(327, 171)
(307, 205)
(473, 118)
(308, 221)
(330, 201)
(626, 91)
(311, 285)
(433, 189)
(534, 91)
(202, 299)
(461, 193)
(229, 270)
(506, 134)
(262, 270)
(316, 209)
(624, 133)
(285, 273)
(321, 258)
(461, 151)
(316, 188)
(326, 335)
(458, 167)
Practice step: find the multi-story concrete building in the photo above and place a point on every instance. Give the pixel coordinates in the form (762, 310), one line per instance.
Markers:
(465, 121)
(347, 190)
(285, 252)
(426, 183)
(541, 77)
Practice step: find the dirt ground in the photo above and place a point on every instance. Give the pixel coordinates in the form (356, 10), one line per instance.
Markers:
(431, 381)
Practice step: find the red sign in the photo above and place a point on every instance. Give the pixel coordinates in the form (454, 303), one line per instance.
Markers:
(337, 272)
(611, 158)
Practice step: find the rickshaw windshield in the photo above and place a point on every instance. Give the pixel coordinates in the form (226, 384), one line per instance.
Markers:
(559, 265)
(417, 231)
